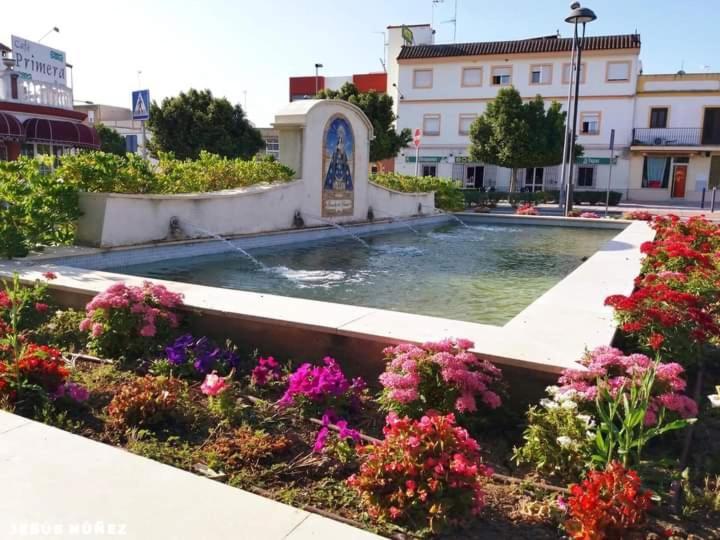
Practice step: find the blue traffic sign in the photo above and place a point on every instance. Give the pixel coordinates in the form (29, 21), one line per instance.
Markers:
(141, 104)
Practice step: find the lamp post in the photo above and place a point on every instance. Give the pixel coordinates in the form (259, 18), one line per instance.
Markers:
(317, 69)
(53, 29)
(578, 15)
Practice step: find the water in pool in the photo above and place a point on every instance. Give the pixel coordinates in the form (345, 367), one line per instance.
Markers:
(480, 273)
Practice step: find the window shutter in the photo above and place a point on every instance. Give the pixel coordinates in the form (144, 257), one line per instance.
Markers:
(618, 71)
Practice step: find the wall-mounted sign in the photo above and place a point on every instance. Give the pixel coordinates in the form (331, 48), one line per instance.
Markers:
(338, 161)
(424, 159)
(36, 62)
(462, 159)
(586, 160)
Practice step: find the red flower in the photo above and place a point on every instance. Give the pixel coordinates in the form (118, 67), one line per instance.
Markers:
(40, 307)
(607, 504)
(50, 275)
(43, 366)
(655, 341)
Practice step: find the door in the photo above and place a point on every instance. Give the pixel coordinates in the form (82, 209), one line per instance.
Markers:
(475, 176)
(534, 178)
(679, 180)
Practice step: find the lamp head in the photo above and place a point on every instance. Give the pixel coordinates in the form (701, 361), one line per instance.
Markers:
(580, 15)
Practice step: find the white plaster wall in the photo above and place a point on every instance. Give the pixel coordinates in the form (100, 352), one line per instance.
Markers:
(447, 76)
(685, 111)
(111, 219)
(390, 203)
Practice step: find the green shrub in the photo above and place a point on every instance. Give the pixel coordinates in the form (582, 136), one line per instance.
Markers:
(110, 173)
(484, 198)
(106, 173)
(558, 440)
(62, 331)
(35, 208)
(211, 172)
(448, 195)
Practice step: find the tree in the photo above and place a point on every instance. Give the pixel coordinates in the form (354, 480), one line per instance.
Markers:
(195, 121)
(378, 108)
(515, 135)
(110, 140)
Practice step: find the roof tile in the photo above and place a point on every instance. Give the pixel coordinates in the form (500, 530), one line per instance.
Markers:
(523, 46)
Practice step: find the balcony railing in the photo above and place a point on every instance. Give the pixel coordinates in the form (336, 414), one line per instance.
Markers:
(667, 136)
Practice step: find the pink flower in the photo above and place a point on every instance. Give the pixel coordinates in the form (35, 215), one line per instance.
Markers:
(85, 325)
(148, 330)
(50, 275)
(213, 384)
(40, 307)
(97, 329)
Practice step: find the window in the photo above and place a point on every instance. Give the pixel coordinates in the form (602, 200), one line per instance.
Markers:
(472, 76)
(541, 74)
(28, 150)
(534, 179)
(586, 176)
(590, 123)
(566, 73)
(711, 126)
(618, 71)
(431, 124)
(422, 78)
(272, 146)
(429, 170)
(501, 75)
(464, 123)
(656, 172)
(658, 117)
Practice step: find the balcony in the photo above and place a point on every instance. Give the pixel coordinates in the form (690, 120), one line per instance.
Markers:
(667, 137)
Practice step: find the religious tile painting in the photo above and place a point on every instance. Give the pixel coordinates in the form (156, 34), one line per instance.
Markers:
(338, 168)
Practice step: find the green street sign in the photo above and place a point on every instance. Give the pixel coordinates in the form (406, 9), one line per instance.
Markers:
(424, 159)
(585, 160)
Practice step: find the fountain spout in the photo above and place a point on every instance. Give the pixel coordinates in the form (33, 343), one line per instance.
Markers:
(174, 226)
(298, 221)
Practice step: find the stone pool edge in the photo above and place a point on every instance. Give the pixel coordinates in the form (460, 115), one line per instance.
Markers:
(549, 335)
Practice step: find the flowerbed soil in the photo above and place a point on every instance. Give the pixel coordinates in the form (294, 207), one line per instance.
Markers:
(282, 465)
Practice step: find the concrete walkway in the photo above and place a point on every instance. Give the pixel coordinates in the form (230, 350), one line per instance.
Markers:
(59, 485)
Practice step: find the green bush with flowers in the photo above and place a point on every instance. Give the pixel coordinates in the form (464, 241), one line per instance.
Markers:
(36, 207)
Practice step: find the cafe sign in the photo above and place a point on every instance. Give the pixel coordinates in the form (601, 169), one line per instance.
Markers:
(36, 62)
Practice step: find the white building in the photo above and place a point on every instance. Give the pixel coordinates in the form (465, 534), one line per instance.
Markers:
(442, 88)
(675, 150)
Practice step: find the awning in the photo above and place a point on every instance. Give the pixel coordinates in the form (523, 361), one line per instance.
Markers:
(60, 132)
(10, 128)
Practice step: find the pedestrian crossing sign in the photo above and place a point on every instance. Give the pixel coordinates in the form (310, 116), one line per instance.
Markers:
(141, 104)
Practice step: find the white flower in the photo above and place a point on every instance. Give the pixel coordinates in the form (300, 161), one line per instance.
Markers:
(714, 400)
(548, 403)
(587, 420)
(552, 390)
(567, 395)
(564, 441)
(570, 405)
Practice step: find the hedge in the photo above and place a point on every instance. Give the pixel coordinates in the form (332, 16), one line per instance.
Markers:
(110, 173)
(448, 195)
(475, 196)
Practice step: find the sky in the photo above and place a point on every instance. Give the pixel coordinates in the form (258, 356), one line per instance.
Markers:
(246, 50)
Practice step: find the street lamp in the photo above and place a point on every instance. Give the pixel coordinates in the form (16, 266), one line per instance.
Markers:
(317, 69)
(578, 16)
